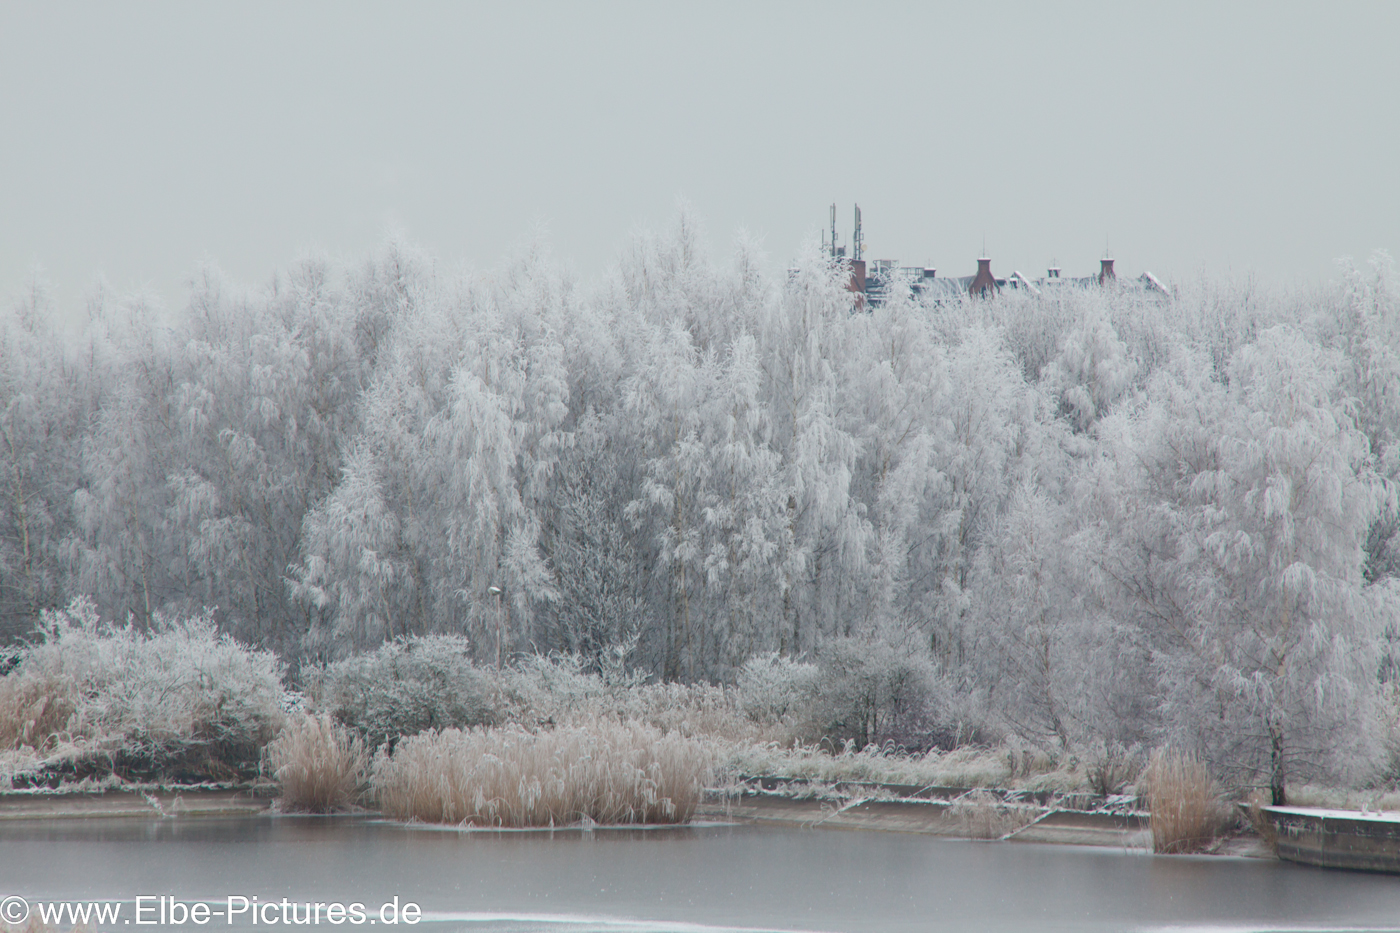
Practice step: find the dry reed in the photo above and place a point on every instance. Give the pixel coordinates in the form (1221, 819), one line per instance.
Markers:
(34, 708)
(508, 777)
(983, 815)
(321, 767)
(1185, 803)
(1259, 821)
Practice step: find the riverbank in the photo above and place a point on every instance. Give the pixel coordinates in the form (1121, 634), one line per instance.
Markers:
(142, 803)
(957, 812)
(1006, 816)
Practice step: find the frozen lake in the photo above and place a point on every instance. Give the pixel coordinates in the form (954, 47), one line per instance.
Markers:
(688, 879)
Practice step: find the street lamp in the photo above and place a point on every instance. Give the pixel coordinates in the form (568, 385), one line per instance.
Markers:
(500, 621)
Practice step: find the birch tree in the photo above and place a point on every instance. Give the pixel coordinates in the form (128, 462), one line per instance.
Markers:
(45, 400)
(1245, 564)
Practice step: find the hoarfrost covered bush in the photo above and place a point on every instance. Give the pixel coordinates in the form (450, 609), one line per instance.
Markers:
(405, 687)
(178, 698)
(415, 684)
(773, 690)
(606, 773)
(558, 688)
(562, 689)
(320, 765)
(1111, 767)
(969, 766)
(872, 691)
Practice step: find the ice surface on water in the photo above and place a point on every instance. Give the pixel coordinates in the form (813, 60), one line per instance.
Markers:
(1292, 928)
(478, 922)
(686, 880)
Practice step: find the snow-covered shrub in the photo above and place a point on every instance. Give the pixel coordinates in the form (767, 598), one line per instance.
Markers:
(320, 765)
(871, 691)
(1112, 766)
(967, 766)
(405, 687)
(606, 773)
(559, 689)
(180, 699)
(774, 690)
(415, 684)
(552, 689)
(693, 710)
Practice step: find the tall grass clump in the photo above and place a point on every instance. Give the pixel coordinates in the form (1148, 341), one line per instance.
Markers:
(35, 707)
(981, 814)
(1185, 803)
(320, 766)
(509, 777)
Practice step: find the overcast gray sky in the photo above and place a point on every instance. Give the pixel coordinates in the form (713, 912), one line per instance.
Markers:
(1229, 139)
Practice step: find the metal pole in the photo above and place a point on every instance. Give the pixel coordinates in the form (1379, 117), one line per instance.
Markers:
(500, 622)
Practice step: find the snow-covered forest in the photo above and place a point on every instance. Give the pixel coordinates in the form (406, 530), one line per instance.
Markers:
(1085, 518)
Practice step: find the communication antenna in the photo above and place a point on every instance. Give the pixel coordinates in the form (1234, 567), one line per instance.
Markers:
(833, 230)
(857, 241)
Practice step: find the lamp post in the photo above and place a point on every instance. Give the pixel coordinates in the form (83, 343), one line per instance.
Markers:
(500, 621)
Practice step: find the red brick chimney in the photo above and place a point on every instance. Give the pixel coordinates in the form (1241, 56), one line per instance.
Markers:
(984, 284)
(857, 283)
(1106, 272)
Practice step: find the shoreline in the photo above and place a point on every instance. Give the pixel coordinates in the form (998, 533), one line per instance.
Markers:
(927, 815)
(160, 802)
(1125, 830)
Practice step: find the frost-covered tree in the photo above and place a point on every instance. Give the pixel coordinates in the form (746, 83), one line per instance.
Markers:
(45, 401)
(602, 608)
(1240, 554)
(1092, 372)
(1368, 331)
(824, 539)
(460, 431)
(268, 388)
(1050, 661)
(120, 549)
(1094, 515)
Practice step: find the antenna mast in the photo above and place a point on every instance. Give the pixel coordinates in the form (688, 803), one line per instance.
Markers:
(857, 241)
(833, 230)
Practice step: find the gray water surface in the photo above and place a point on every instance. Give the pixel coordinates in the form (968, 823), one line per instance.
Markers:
(676, 879)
